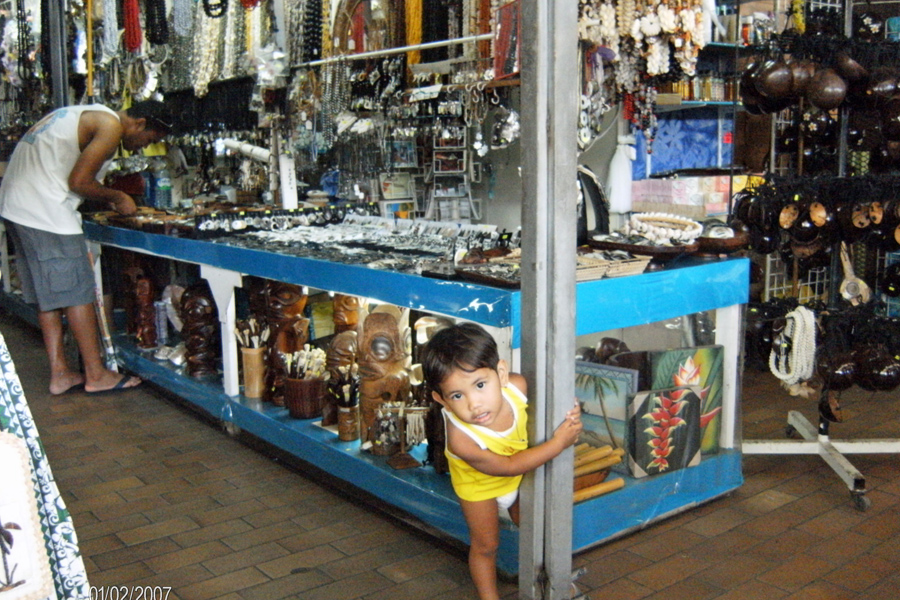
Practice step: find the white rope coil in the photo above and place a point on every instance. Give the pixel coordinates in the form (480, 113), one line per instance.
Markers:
(793, 356)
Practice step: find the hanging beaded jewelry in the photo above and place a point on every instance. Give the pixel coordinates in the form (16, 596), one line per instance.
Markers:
(155, 22)
(205, 53)
(312, 30)
(182, 16)
(110, 39)
(132, 16)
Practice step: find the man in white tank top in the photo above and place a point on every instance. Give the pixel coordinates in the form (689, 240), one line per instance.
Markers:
(59, 163)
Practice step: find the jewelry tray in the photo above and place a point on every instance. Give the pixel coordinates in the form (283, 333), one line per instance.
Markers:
(659, 253)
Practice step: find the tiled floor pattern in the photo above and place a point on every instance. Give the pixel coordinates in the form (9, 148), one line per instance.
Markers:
(162, 497)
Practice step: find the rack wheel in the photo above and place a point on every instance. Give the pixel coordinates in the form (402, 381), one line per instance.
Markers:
(231, 428)
(791, 432)
(860, 501)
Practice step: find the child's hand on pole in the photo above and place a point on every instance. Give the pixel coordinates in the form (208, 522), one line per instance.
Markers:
(570, 428)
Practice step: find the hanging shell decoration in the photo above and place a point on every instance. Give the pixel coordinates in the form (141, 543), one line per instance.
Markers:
(644, 35)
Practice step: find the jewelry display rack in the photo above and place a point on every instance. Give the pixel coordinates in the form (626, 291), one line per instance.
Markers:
(817, 440)
(608, 304)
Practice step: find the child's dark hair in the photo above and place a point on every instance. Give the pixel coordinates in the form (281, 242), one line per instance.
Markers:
(466, 346)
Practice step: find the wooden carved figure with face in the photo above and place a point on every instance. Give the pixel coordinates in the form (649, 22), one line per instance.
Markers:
(383, 367)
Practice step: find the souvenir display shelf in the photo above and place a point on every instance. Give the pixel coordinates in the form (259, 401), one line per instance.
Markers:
(720, 285)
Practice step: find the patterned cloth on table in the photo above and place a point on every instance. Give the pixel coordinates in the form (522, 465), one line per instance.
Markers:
(59, 539)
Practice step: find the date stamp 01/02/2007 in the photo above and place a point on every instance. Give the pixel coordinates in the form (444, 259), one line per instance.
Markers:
(130, 592)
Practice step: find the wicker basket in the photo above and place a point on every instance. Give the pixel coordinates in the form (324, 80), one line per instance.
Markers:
(589, 269)
(630, 266)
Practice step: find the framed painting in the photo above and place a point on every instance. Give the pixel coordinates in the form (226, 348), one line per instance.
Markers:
(700, 366)
(604, 392)
(663, 431)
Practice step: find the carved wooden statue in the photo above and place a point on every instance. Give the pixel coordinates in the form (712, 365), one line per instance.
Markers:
(345, 311)
(289, 331)
(341, 353)
(200, 330)
(383, 367)
(145, 313)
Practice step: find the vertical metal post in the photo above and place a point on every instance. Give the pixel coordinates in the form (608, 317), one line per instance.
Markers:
(549, 169)
(58, 66)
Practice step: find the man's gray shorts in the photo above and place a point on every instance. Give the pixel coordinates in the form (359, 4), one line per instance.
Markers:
(54, 269)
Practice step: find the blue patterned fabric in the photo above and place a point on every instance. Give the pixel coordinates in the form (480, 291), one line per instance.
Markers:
(685, 140)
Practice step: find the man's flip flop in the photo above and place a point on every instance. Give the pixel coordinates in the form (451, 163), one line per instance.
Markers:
(120, 386)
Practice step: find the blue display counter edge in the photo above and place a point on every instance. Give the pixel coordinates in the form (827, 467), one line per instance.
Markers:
(482, 304)
(689, 287)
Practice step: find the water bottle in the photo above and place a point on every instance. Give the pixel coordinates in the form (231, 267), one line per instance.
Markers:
(619, 178)
(149, 188)
(163, 189)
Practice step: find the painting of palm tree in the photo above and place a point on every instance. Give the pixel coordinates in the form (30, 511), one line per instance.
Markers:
(603, 392)
(6, 543)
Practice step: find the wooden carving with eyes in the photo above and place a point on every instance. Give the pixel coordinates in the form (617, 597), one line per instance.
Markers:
(200, 330)
(383, 367)
(290, 330)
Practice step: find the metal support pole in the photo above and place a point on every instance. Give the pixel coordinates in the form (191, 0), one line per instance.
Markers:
(549, 108)
(58, 65)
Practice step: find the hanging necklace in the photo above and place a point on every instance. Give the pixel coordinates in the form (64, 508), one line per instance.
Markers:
(205, 52)
(232, 38)
(155, 22)
(182, 17)
(132, 16)
(793, 356)
(110, 30)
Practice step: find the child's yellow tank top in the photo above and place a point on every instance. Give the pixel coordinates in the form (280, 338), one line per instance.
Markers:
(473, 485)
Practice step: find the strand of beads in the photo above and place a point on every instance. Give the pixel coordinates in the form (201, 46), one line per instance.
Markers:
(209, 30)
(663, 228)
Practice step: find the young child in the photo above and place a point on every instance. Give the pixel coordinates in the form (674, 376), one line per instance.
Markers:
(487, 443)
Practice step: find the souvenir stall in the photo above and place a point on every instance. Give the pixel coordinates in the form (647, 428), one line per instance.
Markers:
(345, 180)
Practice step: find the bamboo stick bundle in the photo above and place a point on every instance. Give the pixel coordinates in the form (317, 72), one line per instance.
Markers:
(613, 458)
(598, 490)
(582, 448)
(592, 455)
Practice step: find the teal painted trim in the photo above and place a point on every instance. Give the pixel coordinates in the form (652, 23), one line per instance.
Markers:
(692, 287)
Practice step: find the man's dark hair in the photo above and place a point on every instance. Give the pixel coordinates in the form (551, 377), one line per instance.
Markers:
(157, 114)
(466, 346)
